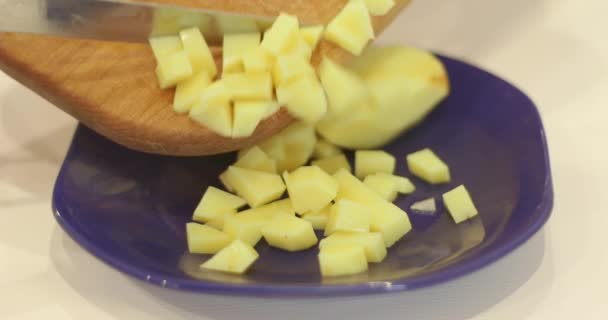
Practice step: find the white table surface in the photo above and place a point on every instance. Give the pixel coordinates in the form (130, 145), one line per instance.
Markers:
(556, 50)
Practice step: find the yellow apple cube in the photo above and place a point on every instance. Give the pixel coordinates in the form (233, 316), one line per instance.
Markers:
(216, 202)
(459, 203)
(281, 35)
(325, 149)
(318, 218)
(257, 60)
(268, 211)
(351, 28)
(310, 188)
(312, 35)
(290, 67)
(217, 222)
(234, 47)
(332, 164)
(379, 7)
(387, 185)
(247, 116)
(237, 257)
(298, 141)
(256, 187)
(342, 260)
(289, 233)
(205, 240)
(249, 86)
(344, 88)
(245, 229)
(304, 98)
(372, 243)
(173, 68)
(217, 118)
(426, 165)
(300, 48)
(346, 215)
(198, 51)
(216, 94)
(275, 149)
(164, 46)
(256, 159)
(225, 182)
(188, 92)
(373, 161)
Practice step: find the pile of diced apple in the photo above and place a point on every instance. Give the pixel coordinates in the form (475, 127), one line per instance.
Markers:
(361, 105)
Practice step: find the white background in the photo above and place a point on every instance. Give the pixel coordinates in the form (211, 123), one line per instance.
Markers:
(556, 50)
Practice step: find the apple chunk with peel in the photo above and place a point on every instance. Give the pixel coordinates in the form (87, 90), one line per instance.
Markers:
(256, 187)
(344, 88)
(216, 202)
(405, 83)
(351, 28)
(234, 47)
(289, 233)
(237, 257)
(304, 98)
(205, 240)
(310, 188)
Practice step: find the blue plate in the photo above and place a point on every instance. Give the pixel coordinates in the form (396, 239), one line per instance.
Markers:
(129, 208)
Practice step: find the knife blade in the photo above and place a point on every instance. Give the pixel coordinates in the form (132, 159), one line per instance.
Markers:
(121, 20)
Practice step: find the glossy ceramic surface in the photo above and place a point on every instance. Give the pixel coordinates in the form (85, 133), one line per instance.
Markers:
(129, 209)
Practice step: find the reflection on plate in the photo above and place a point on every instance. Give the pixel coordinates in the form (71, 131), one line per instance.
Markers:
(129, 209)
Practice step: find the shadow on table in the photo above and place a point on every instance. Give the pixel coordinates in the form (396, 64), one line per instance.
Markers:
(124, 298)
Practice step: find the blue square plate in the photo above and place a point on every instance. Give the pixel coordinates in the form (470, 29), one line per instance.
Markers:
(129, 209)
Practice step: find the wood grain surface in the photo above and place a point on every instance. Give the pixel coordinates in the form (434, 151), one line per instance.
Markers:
(111, 87)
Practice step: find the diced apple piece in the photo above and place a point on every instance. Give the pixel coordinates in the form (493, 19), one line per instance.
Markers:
(173, 68)
(372, 243)
(304, 98)
(256, 187)
(256, 159)
(188, 92)
(257, 60)
(387, 185)
(426, 165)
(281, 35)
(346, 215)
(300, 48)
(275, 149)
(386, 218)
(237, 257)
(217, 118)
(245, 229)
(312, 35)
(459, 203)
(253, 86)
(247, 116)
(379, 7)
(236, 24)
(351, 28)
(216, 94)
(342, 260)
(164, 46)
(290, 67)
(324, 149)
(373, 161)
(268, 211)
(205, 240)
(310, 188)
(216, 202)
(218, 221)
(426, 206)
(344, 88)
(299, 140)
(318, 218)
(234, 47)
(225, 182)
(289, 233)
(198, 51)
(332, 164)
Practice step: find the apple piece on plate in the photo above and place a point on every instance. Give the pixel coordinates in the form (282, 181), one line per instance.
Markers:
(459, 203)
(387, 185)
(234, 47)
(304, 98)
(198, 51)
(173, 68)
(281, 35)
(205, 240)
(379, 7)
(216, 202)
(346, 215)
(351, 28)
(426, 165)
(237, 257)
(218, 221)
(371, 242)
(247, 230)
(189, 91)
(344, 88)
(318, 218)
(289, 233)
(373, 161)
(269, 211)
(310, 188)
(299, 140)
(256, 187)
(332, 164)
(342, 260)
(256, 159)
(312, 34)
